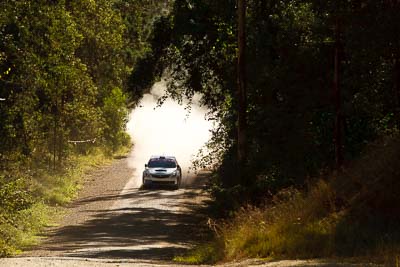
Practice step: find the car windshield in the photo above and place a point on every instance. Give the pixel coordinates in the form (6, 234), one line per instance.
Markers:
(162, 163)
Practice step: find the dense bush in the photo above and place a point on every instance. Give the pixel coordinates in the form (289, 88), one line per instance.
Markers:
(14, 199)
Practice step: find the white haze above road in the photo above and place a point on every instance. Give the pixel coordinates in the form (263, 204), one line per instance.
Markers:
(168, 130)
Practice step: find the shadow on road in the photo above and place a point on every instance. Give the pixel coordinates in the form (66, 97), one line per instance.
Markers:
(154, 224)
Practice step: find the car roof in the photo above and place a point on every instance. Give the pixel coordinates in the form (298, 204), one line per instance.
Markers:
(162, 157)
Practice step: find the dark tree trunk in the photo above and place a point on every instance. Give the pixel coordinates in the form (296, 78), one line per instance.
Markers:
(61, 133)
(55, 140)
(397, 89)
(338, 142)
(241, 76)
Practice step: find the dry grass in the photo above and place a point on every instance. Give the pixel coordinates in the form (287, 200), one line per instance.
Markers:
(352, 214)
(297, 225)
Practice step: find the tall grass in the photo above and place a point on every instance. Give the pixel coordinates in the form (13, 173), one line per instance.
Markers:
(354, 213)
(61, 186)
(297, 225)
(32, 197)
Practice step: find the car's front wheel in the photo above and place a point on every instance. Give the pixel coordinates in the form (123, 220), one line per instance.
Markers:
(178, 183)
(144, 186)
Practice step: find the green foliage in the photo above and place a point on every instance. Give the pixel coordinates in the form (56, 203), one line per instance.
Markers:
(31, 198)
(15, 198)
(207, 253)
(115, 116)
(64, 68)
(290, 53)
(60, 65)
(14, 195)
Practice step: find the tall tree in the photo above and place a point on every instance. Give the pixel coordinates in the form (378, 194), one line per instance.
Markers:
(289, 119)
(241, 85)
(337, 96)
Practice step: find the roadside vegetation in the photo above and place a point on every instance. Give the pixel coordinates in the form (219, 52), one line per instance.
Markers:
(64, 74)
(323, 116)
(33, 199)
(350, 215)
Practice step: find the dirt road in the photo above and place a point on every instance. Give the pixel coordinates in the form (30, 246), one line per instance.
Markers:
(113, 223)
(113, 219)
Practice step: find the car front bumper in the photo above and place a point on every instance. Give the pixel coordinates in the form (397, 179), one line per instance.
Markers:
(167, 180)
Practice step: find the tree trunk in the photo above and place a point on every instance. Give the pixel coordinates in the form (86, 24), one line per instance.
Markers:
(337, 98)
(241, 83)
(396, 78)
(55, 130)
(55, 140)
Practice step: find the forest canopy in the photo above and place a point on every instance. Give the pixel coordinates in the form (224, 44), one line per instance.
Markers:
(290, 54)
(323, 119)
(63, 74)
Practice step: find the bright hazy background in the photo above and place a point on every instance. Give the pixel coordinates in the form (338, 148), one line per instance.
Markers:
(166, 130)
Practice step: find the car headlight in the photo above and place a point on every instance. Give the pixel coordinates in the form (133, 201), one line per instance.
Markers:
(175, 173)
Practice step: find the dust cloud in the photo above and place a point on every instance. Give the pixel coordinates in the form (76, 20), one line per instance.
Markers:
(167, 130)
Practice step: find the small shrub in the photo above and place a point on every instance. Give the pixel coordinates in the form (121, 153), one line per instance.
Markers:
(207, 253)
(14, 199)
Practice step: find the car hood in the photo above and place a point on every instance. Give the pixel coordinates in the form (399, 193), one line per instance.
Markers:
(166, 171)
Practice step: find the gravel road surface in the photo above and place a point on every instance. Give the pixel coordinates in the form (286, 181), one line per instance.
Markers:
(113, 219)
(114, 223)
